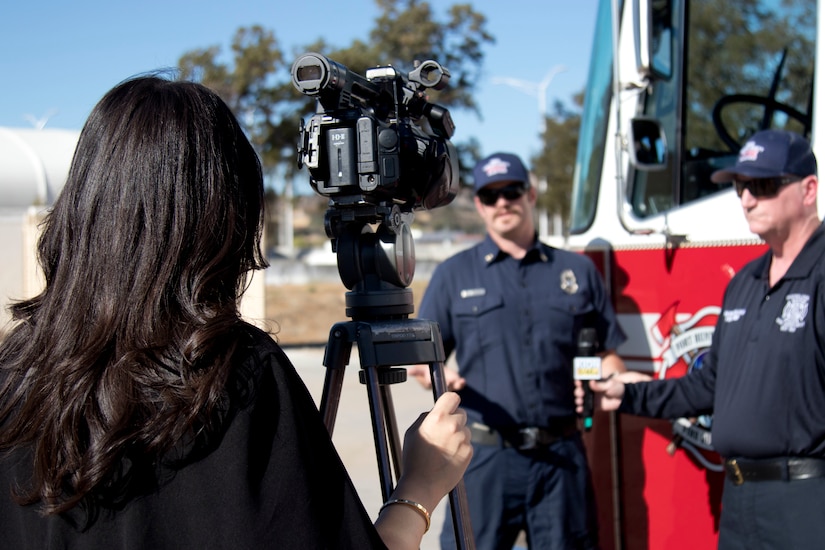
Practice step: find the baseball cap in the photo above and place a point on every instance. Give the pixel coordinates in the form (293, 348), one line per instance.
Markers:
(770, 154)
(499, 167)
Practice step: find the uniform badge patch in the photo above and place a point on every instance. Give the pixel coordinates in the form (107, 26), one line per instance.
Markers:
(794, 312)
(473, 292)
(568, 281)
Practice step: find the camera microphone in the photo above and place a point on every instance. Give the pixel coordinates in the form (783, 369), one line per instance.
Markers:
(587, 366)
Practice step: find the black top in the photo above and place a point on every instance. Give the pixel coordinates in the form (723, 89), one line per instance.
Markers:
(764, 377)
(273, 480)
(514, 326)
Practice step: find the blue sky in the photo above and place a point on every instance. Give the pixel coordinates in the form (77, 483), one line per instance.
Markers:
(58, 58)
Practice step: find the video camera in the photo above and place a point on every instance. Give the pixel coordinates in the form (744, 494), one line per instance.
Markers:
(376, 143)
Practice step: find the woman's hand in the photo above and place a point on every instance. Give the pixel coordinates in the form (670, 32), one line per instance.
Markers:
(437, 451)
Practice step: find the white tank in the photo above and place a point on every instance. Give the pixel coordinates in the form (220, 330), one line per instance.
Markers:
(34, 165)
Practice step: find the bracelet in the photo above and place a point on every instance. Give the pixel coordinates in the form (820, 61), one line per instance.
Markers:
(412, 504)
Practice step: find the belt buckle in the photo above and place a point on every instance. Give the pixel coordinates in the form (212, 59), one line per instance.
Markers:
(529, 438)
(738, 478)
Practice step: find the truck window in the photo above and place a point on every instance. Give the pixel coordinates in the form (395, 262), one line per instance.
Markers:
(593, 131)
(744, 66)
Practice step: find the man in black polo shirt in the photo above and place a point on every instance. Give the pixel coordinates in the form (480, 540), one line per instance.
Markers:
(511, 308)
(764, 378)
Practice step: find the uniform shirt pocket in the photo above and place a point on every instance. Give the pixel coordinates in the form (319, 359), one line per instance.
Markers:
(479, 318)
(568, 314)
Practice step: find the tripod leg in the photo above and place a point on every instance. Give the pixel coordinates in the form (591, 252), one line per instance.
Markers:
(331, 396)
(379, 412)
(459, 509)
(381, 344)
(336, 356)
(392, 429)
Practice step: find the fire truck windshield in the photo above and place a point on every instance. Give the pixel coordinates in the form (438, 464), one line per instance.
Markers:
(593, 130)
(736, 67)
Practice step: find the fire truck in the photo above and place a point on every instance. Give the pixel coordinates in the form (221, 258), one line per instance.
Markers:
(675, 88)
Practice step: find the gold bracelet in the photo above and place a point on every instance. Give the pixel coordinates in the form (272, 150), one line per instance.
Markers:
(412, 504)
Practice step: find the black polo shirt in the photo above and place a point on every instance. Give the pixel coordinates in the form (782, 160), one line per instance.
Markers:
(514, 324)
(764, 377)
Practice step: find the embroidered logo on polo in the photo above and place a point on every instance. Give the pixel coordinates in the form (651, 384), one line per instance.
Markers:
(568, 282)
(794, 312)
(733, 315)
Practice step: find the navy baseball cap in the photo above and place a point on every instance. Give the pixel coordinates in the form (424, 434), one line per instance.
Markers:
(499, 167)
(771, 154)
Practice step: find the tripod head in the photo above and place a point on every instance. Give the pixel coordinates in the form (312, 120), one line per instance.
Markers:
(376, 260)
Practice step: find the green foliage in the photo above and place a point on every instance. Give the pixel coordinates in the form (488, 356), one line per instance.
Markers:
(737, 47)
(256, 82)
(252, 84)
(555, 164)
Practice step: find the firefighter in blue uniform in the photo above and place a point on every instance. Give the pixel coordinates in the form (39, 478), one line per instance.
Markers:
(764, 378)
(511, 308)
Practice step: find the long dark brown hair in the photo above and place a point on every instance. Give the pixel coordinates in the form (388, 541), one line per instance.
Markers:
(145, 254)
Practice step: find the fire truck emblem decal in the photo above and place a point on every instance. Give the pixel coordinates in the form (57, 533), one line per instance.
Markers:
(686, 344)
(794, 312)
(684, 341)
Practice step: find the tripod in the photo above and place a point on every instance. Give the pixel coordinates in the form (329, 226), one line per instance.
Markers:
(378, 267)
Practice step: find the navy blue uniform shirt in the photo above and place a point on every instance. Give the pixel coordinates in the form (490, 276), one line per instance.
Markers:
(764, 377)
(514, 326)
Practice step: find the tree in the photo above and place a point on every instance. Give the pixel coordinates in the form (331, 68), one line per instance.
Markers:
(738, 47)
(255, 88)
(556, 162)
(256, 81)
(408, 30)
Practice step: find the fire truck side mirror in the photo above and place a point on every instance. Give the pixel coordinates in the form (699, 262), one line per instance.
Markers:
(648, 146)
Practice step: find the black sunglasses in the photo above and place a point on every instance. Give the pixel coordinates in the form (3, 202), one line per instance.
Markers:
(489, 197)
(762, 188)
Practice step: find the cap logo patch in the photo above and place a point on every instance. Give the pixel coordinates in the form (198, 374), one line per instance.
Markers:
(495, 166)
(750, 151)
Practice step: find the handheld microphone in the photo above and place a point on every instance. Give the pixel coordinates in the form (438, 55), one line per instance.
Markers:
(587, 366)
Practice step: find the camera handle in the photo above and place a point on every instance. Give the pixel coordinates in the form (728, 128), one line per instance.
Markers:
(386, 338)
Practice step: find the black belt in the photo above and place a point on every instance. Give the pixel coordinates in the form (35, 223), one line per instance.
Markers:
(786, 469)
(524, 438)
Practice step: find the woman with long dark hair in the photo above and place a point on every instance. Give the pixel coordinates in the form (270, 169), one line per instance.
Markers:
(137, 409)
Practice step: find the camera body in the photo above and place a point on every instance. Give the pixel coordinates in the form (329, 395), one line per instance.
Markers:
(375, 140)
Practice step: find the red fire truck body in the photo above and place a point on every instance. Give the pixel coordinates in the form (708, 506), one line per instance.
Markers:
(675, 88)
